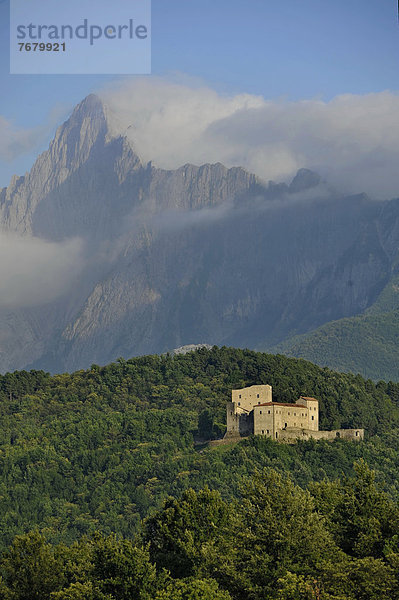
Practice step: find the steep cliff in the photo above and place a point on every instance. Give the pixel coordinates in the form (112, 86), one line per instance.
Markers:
(197, 254)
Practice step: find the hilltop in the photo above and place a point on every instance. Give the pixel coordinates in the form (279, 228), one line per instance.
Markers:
(100, 449)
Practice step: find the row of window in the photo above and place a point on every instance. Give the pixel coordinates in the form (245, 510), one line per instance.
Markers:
(267, 431)
(278, 412)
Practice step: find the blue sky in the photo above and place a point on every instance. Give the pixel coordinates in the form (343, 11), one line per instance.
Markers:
(291, 50)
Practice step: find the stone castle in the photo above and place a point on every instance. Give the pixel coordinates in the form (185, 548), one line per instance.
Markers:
(252, 411)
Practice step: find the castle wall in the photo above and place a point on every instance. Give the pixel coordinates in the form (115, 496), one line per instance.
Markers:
(269, 418)
(264, 421)
(239, 423)
(233, 419)
(305, 434)
(313, 412)
(246, 398)
(291, 415)
(252, 411)
(246, 425)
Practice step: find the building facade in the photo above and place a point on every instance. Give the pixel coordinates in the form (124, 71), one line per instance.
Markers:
(252, 411)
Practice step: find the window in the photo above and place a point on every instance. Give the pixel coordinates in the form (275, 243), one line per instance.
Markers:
(260, 412)
(294, 424)
(268, 412)
(357, 433)
(294, 414)
(259, 402)
(276, 435)
(239, 396)
(263, 431)
(267, 431)
(239, 404)
(257, 395)
(231, 412)
(312, 417)
(289, 414)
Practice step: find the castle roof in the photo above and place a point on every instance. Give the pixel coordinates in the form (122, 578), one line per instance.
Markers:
(308, 398)
(290, 404)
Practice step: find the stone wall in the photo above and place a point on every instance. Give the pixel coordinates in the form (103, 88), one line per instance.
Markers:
(313, 412)
(232, 420)
(246, 398)
(306, 434)
(239, 422)
(270, 418)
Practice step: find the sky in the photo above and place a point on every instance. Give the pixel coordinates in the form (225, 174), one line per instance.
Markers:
(271, 84)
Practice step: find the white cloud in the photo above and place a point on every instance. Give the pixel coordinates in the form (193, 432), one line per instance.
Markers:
(33, 271)
(167, 121)
(352, 140)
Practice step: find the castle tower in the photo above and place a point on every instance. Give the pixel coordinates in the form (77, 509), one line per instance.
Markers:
(240, 410)
(313, 411)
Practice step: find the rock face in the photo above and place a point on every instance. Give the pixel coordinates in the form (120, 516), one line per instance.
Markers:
(190, 348)
(178, 257)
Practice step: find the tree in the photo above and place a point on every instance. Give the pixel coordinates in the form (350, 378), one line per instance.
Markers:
(80, 591)
(192, 589)
(30, 570)
(205, 424)
(359, 579)
(362, 518)
(183, 532)
(123, 570)
(278, 531)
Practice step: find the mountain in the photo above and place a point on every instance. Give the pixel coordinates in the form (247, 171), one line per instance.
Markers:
(366, 344)
(177, 257)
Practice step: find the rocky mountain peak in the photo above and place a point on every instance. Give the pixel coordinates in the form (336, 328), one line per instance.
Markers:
(82, 150)
(76, 137)
(305, 179)
(91, 104)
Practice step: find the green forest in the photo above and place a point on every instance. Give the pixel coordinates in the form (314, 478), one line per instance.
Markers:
(109, 489)
(366, 344)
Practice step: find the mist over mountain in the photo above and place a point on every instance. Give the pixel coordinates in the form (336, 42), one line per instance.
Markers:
(156, 259)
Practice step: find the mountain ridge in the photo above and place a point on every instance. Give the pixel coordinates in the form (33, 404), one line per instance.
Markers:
(171, 257)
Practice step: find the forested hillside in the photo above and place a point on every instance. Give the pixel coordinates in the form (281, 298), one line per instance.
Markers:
(99, 449)
(366, 344)
(95, 452)
(276, 541)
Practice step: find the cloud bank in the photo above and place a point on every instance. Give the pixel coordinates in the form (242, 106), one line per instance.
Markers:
(33, 271)
(352, 140)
